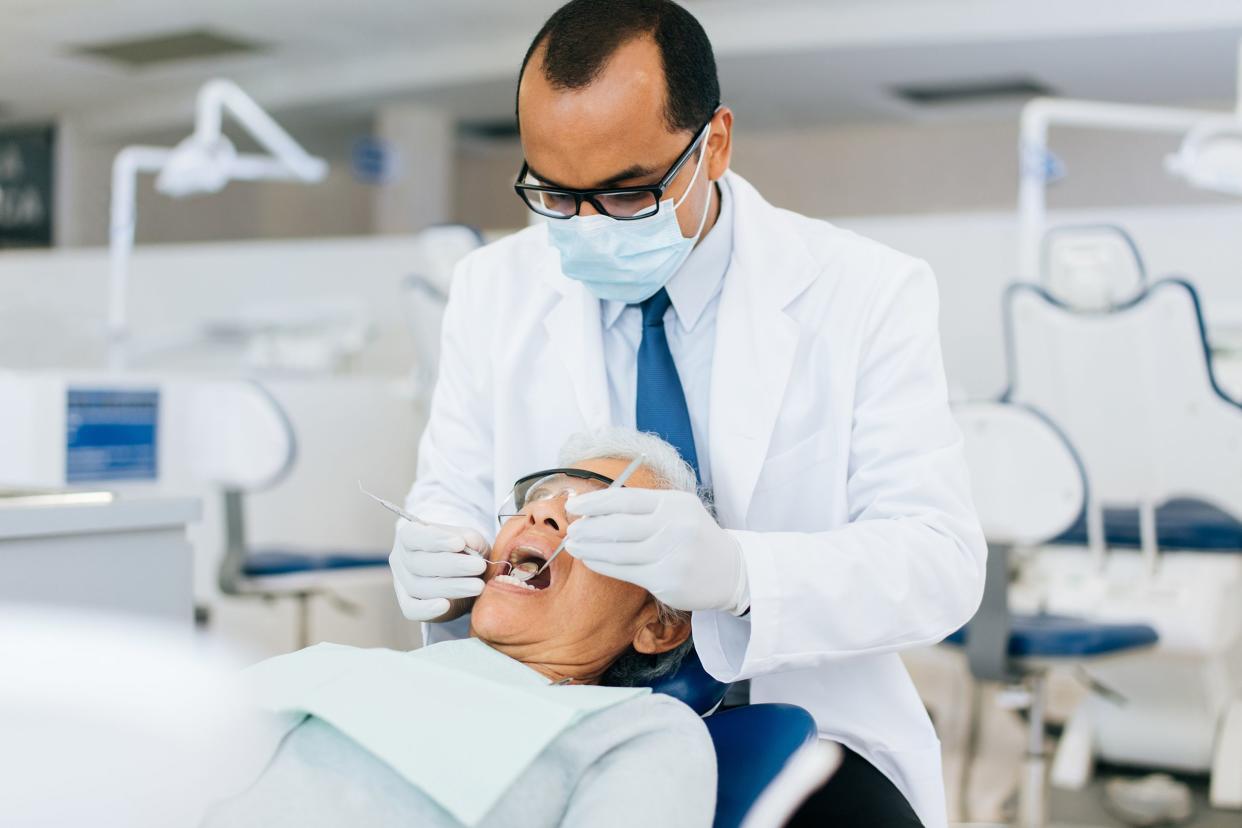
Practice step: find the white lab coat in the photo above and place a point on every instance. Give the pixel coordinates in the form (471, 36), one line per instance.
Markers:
(833, 451)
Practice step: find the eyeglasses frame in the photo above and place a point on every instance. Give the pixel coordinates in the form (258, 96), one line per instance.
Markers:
(590, 196)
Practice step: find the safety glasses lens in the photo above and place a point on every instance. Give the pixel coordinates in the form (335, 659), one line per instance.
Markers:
(544, 489)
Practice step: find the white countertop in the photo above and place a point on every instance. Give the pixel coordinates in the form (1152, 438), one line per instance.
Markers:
(26, 520)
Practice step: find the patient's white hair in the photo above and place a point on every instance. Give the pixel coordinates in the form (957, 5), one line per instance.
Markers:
(619, 443)
(671, 472)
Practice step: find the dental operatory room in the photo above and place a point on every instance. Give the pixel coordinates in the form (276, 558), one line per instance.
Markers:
(424, 413)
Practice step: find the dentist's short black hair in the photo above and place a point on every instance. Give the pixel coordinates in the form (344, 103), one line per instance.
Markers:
(582, 35)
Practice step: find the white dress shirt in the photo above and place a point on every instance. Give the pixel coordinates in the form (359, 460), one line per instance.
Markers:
(695, 294)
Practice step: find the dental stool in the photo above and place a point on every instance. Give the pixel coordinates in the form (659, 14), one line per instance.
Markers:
(1028, 486)
(768, 756)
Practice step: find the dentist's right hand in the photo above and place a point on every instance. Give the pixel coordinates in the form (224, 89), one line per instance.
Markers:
(437, 569)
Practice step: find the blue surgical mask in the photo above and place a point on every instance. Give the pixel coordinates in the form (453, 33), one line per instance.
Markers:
(627, 261)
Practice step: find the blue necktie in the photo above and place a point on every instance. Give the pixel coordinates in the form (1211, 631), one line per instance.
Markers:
(660, 405)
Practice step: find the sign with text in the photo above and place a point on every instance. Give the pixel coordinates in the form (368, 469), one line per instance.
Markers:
(26, 186)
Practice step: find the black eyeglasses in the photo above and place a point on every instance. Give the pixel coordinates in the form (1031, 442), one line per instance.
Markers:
(621, 204)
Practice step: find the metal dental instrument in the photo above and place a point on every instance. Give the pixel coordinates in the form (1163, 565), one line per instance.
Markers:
(390, 506)
(398, 511)
(560, 547)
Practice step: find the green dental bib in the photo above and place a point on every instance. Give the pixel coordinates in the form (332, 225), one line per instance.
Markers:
(458, 719)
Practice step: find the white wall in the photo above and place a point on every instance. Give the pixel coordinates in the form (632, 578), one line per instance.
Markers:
(52, 303)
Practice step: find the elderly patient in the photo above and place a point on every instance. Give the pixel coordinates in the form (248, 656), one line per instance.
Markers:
(538, 719)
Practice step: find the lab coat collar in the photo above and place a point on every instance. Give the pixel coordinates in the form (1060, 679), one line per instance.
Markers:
(572, 323)
(756, 342)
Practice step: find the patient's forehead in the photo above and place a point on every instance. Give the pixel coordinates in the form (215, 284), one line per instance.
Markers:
(643, 478)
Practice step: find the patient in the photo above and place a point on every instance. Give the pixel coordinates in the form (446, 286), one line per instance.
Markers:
(538, 719)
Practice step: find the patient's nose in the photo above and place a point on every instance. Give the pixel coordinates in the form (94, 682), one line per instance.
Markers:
(550, 513)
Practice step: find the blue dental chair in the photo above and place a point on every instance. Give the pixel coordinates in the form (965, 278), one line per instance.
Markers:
(765, 753)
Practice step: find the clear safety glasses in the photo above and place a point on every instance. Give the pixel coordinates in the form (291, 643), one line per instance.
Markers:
(550, 484)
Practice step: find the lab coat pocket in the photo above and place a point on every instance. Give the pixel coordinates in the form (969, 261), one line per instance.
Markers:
(807, 458)
(791, 494)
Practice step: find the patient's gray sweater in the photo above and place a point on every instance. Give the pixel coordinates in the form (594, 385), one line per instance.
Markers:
(645, 762)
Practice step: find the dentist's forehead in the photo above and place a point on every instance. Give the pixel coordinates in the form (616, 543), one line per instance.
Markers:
(581, 137)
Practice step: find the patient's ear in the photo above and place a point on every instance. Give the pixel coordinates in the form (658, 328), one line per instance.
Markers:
(655, 636)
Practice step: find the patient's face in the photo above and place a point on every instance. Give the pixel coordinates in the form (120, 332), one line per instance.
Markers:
(580, 621)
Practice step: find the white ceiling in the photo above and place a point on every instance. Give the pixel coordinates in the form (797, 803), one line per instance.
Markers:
(782, 62)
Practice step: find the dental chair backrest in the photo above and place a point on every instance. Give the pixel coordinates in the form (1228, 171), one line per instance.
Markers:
(1027, 481)
(238, 436)
(691, 684)
(768, 756)
(1091, 267)
(243, 442)
(1133, 390)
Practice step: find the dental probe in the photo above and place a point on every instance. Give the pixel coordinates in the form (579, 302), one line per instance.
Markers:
(399, 512)
(616, 484)
(392, 507)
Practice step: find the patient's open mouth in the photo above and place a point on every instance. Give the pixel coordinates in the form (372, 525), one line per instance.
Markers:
(524, 561)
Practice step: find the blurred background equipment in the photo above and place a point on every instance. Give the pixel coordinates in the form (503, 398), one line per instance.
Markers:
(200, 164)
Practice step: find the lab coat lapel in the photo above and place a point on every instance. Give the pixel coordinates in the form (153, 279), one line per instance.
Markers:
(756, 342)
(574, 332)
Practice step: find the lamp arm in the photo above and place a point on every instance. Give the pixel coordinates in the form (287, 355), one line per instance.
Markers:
(218, 95)
(128, 163)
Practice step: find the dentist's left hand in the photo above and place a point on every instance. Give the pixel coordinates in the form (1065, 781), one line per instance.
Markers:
(662, 540)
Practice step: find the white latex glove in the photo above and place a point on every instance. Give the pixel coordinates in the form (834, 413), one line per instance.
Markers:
(434, 576)
(664, 541)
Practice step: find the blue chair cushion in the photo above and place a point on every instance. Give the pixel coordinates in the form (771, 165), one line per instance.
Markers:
(284, 562)
(1180, 524)
(753, 744)
(1056, 636)
(691, 684)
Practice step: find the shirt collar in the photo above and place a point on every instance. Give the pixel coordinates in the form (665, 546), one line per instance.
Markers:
(698, 280)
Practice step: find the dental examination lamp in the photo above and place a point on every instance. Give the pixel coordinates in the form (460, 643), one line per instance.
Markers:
(202, 163)
(1209, 158)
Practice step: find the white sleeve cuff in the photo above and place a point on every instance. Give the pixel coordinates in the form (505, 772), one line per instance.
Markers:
(740, 602)
(731, 647)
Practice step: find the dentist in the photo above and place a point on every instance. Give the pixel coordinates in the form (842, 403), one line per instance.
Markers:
(794, 365)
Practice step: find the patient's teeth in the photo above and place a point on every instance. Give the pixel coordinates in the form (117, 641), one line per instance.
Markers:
(509, 579)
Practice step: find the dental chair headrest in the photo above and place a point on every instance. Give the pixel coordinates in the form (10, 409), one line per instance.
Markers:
(691, 684)
(1092, 267)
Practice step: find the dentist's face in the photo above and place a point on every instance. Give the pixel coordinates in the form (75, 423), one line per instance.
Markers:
(613, 133)
(574, 622)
